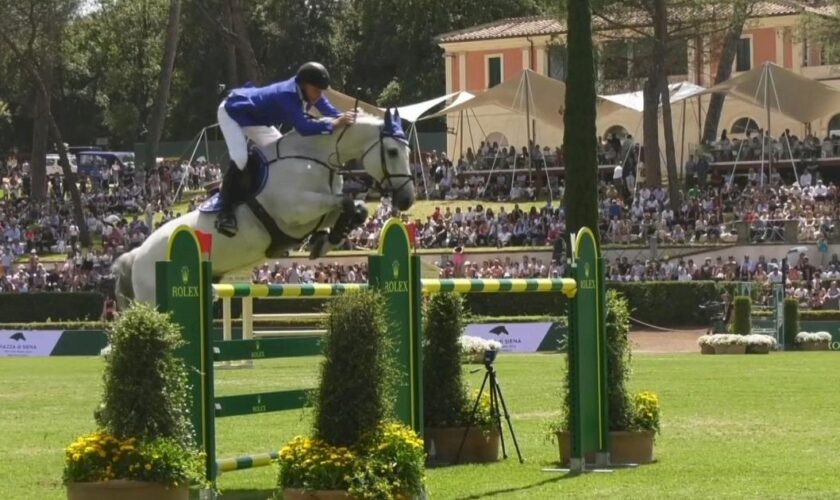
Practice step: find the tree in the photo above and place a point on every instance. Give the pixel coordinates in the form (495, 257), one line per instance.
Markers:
(166, 68)
(59, 14)
(234, 28)
(664, 36)
(579, 140)
(740, 12)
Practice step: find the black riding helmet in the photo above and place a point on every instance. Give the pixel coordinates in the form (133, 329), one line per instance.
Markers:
(313, 73)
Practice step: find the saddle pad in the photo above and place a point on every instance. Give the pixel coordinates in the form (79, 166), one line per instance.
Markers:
(257, 168)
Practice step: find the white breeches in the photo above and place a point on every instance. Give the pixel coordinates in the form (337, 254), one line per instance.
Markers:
(236, 137)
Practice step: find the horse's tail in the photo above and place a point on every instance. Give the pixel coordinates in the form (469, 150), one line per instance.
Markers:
(123, 287)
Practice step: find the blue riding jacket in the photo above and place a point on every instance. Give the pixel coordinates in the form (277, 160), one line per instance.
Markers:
(278, 104)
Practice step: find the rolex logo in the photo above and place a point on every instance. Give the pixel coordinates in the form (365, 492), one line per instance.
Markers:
(185, 275)
(395, 267)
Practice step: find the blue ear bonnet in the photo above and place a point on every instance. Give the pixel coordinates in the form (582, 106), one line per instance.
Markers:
(393, 126)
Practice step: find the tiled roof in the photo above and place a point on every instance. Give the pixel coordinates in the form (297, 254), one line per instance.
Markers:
(540, 25)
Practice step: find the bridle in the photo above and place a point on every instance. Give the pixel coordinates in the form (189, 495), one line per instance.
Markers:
(387, 176)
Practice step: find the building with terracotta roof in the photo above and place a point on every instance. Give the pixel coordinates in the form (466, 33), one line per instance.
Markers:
(483, 56)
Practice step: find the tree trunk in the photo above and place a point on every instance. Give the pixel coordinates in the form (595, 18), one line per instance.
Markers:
(724, 69)
(69, 177)
(650, 129)
(232, 72)
(40, 139)
(579, 140)
(162, 98)
(674, 191)
(661, 47)
(243, 43)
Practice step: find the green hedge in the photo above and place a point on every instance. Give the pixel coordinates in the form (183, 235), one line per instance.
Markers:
(658, 303)
(791, 319)
(52, 306)
(741, 320)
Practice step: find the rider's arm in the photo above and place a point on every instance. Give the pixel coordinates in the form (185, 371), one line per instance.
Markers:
(304, 124)
(325, 107)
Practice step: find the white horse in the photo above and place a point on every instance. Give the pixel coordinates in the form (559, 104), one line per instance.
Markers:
(302, 195)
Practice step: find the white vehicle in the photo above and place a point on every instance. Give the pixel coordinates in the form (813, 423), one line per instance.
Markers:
(53, 168)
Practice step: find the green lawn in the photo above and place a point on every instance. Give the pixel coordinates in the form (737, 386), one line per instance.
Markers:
(733, 427)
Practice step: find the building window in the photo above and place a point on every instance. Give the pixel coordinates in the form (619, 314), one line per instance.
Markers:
(834, 126)
(494, 71)
(614, 60)
(744, 126)
(743, 55)
(557, 65)
(676, 60)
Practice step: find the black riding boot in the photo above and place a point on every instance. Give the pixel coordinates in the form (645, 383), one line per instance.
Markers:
(226, 220)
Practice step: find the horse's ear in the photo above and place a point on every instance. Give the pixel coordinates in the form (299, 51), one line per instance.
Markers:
(397, 115)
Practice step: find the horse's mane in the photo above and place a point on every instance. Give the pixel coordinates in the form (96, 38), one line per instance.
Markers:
(293, 137)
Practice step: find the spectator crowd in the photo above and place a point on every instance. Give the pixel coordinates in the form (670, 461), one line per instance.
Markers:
(122, 207)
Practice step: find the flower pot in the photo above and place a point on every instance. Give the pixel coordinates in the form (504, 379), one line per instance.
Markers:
(474, 358)
(442, 443)
(758, 349)
(731, 349)
(814, 346)
(626, 447)
(124, 489)
(707, 349)
(301, 494)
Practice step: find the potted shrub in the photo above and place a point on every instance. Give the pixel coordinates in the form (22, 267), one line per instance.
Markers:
(706, 345)
(144, 448)
(473, 348)
(759, 344)
(447, 409)
(355, 450)
(791, 322)
(633, 421)
(741, 315)
(727, 343)
(818, 341)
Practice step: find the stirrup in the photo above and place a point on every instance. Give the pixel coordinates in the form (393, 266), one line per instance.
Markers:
(226, 225)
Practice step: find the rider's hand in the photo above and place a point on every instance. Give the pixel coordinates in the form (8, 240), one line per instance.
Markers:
(345, 119)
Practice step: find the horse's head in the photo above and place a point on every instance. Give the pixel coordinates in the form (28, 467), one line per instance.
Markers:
(385, 157)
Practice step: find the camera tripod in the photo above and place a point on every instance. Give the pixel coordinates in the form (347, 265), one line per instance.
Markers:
(496, 397)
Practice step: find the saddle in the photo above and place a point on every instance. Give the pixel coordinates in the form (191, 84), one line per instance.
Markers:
(250, 184)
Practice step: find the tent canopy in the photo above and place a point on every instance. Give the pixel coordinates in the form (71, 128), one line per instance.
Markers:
(636, 100)
(413, 112)
(541, 96)
(344, 102)
(771, 86)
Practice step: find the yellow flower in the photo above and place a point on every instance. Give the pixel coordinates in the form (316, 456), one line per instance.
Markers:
(76, 457)
(101, 453)
(148, 467)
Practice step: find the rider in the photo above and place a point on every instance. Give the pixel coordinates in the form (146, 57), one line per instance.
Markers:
(256, 112)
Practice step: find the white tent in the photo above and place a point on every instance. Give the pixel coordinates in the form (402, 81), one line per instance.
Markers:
(530, 93)
(777, 89)
(413, 112)
(636, 100)
(344, 102)
(530, 97)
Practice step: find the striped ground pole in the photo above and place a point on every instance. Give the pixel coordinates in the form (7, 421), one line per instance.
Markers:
(298, 290)
(566, 285)
(245, 462)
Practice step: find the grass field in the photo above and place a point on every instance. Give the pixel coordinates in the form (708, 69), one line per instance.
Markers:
(732, 427)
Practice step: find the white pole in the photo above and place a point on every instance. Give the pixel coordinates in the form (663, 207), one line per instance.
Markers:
(247, 318)
(227, 320)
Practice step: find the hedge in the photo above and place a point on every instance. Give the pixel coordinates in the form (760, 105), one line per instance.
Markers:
(658, 303)
(52, 306)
